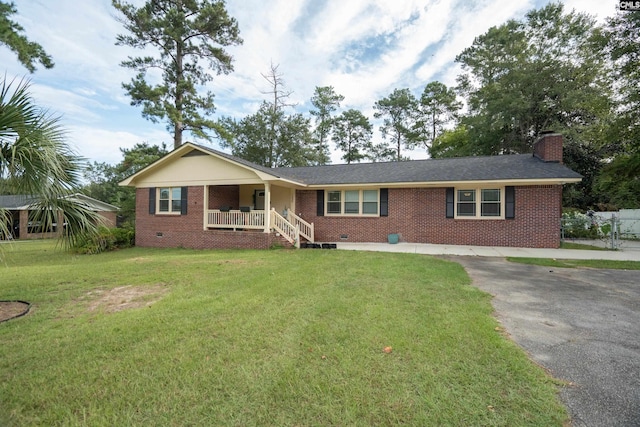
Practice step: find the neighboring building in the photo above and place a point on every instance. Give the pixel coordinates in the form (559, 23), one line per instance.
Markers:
(197, 197)
(24, 227)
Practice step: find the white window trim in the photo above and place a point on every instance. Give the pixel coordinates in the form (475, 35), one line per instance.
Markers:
(170, 211)
(360, 203)
(478, 191)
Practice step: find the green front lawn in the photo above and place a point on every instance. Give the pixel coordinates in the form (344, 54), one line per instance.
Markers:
(582, 246)
(282, 337)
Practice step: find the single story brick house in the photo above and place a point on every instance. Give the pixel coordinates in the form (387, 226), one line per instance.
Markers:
(197, 197)
(22, 224)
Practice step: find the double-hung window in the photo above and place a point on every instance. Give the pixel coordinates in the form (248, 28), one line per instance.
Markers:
(490, 202)
(466, 203)
(170, 200)
(479, 203)
(370, 202)
(334, 202)
(353, 202)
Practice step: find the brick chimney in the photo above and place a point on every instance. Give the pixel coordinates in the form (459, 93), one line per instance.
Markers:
(548, 147)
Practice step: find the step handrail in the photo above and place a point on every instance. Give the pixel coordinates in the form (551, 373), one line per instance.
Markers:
(306, 228)
(285, 228)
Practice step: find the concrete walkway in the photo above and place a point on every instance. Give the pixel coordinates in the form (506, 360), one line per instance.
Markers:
(630, 250)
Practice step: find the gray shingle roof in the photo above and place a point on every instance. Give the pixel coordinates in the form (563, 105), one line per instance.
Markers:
(486, 168)
(507, 167)
(23, 201)
(14, 202)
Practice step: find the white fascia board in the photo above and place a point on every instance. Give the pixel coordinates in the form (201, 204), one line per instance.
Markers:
(439, 184)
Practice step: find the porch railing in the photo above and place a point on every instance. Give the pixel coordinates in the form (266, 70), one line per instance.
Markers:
(290, 229)
(236, 219)
(306, 229)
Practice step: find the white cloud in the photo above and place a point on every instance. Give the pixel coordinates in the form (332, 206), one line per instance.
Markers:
(364, 48)
(600, 9)
(103, 145)
(78, 106)
(464, 28)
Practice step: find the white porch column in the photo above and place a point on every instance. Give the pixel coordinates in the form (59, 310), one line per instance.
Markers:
(205, 208)
(267, 207)
(293, 201)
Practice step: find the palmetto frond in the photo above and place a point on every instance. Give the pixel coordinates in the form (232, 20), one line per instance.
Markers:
(36, 160)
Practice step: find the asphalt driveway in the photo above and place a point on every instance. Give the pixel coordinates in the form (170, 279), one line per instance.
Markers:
(583, 325)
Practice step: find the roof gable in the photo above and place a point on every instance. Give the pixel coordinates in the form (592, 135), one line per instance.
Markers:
(196, 164)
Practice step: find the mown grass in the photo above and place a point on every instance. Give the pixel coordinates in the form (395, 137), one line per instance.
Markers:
(576, 263)
(581, 246)
(244, 338)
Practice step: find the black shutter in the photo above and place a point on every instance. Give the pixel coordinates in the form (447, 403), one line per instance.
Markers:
(450, 202)
(320, 202)
(152, 201)
(510, 202)
(183, 200)
(384, 202)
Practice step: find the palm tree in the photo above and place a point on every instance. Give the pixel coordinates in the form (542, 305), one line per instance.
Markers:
(36, 160)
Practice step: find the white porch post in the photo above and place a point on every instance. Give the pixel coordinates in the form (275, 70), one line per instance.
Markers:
(205, 208)
(267, 207)
(293, 201)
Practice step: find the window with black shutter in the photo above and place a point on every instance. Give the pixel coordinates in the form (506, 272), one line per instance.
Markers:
(168, 200)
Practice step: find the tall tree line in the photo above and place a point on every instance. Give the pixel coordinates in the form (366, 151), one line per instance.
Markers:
(562, 71)
(552, 69)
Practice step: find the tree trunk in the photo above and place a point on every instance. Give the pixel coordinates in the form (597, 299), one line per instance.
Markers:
(177, 135)
(433, 130)
(179, 125)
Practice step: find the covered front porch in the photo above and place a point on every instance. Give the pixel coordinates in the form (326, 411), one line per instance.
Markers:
(200, 198)
(255, 208)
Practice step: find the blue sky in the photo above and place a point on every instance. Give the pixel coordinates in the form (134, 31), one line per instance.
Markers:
(363, 48)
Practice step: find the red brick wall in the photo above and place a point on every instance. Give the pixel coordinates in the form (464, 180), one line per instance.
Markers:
(549, 147)
(24, 220)
(109, 218)
(25, 235)
(186, 230)
(224, 195)
(419, 216)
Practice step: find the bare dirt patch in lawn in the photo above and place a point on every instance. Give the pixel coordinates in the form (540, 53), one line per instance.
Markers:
(11, 309)
(124, 297)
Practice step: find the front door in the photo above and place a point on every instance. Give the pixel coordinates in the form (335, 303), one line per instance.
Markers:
(258, 195)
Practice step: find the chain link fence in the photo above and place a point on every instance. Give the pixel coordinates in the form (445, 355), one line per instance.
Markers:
(613, 229)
